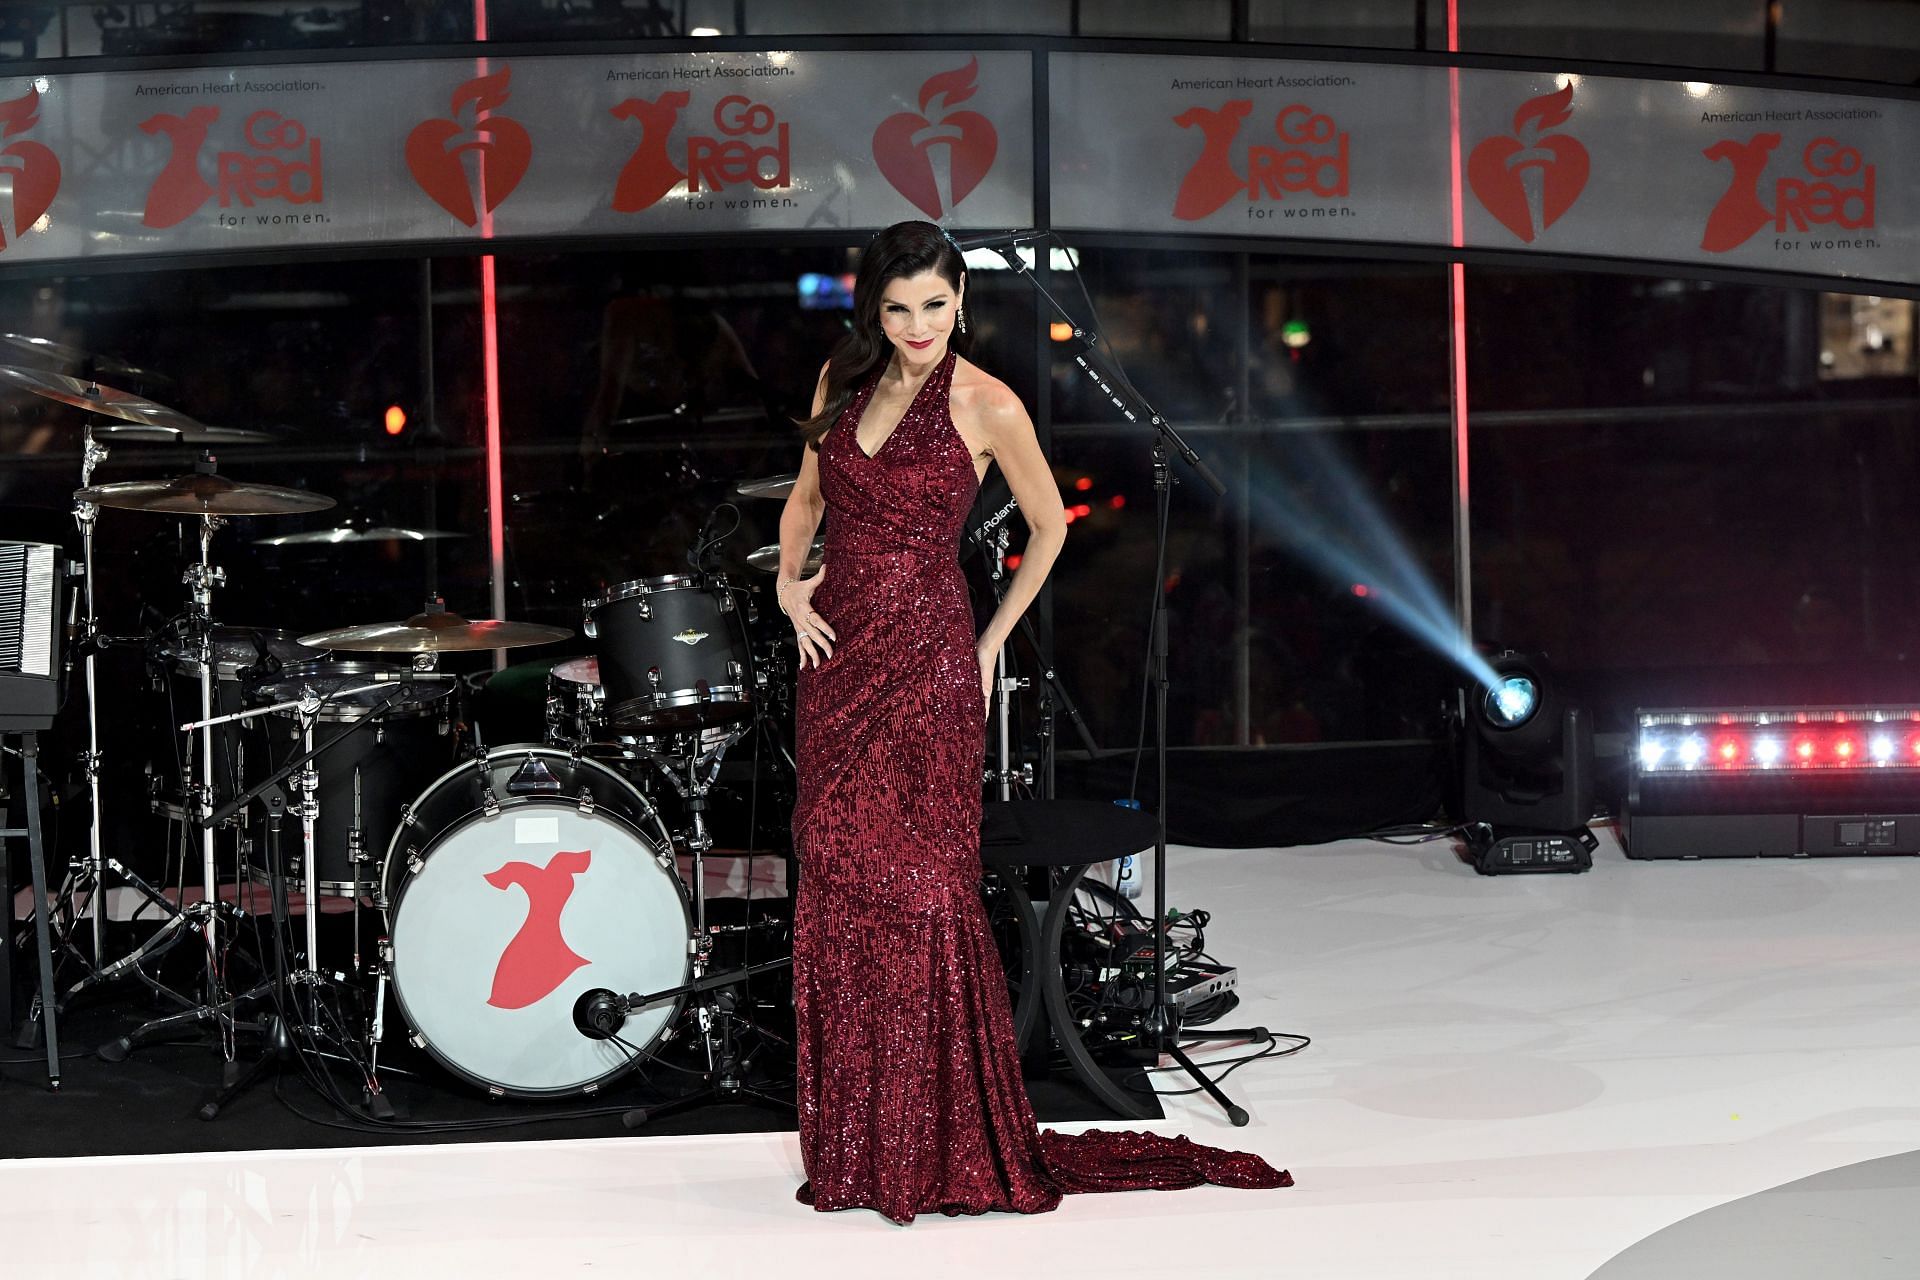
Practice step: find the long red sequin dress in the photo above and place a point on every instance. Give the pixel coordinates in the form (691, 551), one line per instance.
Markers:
(910, 1093)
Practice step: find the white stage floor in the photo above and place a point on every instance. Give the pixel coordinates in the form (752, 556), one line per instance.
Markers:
(1511, 1079)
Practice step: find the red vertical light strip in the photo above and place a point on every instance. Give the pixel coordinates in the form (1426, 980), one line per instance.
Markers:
(490, 380)
(1457, 341)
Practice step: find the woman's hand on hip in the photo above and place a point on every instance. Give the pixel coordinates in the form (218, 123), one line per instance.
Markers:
(810, 631)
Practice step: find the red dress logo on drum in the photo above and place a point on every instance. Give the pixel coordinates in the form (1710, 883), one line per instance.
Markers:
(538, 959)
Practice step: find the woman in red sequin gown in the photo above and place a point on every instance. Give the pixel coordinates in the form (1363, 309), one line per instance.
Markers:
(910, 1093)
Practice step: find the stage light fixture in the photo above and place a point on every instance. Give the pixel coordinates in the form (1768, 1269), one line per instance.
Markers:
(1526, 770)
(1512, 702)
(1780, 781)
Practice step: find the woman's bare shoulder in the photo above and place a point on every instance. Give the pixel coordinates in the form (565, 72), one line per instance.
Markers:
(980, 392)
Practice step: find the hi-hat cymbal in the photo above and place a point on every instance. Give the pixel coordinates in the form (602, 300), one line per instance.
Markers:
(767, 558)
(91, 395)
(767, 486)
(355, 533)
(200, 494)
(436, 631)
(169, 433)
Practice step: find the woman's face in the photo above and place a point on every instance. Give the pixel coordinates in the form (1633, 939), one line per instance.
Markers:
(917, 314)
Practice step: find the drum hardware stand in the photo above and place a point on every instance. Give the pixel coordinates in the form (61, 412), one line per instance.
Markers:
(45, 1015)
(1163, 1021)
(93, 874)
(308, 704)
(179, 922)
(725, 1074)
(1052, 690)
(217, 1007)
(1005, 685)
(287, 986)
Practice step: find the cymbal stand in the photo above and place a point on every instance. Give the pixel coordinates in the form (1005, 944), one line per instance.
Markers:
(201, 578)
(216, 1008)
(92, 454)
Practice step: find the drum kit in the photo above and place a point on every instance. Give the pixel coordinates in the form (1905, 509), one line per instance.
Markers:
(495, 891)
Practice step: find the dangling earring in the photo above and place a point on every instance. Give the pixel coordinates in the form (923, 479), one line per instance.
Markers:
(963, 320)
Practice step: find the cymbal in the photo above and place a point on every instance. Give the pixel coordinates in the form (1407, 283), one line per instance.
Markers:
(355, 533)
(201, 494)
(72, 359)
(167, 433)
(767, 558)
(91, 395)
(436, 631)
(767, 486)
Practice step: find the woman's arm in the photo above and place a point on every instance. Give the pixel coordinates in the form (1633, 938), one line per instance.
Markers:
(799, 520)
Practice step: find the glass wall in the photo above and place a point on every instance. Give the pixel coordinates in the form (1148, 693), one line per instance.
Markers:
(1316, 389)
(1700, 479)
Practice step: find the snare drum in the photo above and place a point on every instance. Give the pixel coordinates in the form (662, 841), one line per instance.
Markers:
(574, 715)
(336, 680)
(513, 885)
(673, 654)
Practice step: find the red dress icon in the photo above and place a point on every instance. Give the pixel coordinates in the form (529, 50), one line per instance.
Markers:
(650, 171)
(1211, 182)
(538, 959)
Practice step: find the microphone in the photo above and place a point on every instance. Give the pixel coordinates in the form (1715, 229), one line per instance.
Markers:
(599, 1014)
(998, 239)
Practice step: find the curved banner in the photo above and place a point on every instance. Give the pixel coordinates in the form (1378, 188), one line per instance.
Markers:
(1243, 146)
(1759, 178)
(331, 154)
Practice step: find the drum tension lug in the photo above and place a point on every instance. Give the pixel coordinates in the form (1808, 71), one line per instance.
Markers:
(414, 860)
(586, 801)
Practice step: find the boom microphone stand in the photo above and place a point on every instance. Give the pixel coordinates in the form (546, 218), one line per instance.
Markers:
(1163, 1021)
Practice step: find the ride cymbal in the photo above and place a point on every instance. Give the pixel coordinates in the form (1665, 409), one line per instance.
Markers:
(355, 533)
(202, 494)
(436, 631)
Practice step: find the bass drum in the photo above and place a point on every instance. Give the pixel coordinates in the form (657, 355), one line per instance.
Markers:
(513, 885)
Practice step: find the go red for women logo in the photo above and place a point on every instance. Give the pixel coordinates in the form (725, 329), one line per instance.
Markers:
(437, 150)
(903, 144)
(1834, 188)
(750, 144)
(1312, 159)
(34, 168)
(1528, 179)
(284, 164)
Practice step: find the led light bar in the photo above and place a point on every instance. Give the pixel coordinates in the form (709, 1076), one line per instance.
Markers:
(1725, 782)
(1768, 739)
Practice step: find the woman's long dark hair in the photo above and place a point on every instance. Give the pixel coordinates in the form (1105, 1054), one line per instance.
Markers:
(902, 250)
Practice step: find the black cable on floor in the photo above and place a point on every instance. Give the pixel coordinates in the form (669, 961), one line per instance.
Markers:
(1273, 1050)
